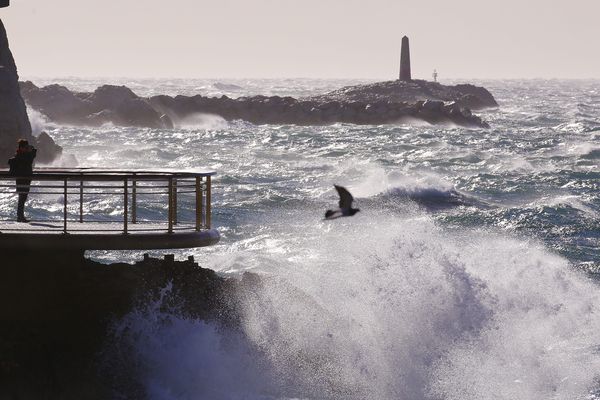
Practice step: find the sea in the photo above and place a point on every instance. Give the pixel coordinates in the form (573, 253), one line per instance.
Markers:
(471, 271)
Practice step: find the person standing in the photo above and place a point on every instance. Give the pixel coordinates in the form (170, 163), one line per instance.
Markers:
(21, 166)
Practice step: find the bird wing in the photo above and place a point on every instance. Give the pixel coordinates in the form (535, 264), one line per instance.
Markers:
(346, 198)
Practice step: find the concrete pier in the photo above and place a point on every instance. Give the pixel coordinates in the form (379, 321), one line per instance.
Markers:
(135, 192)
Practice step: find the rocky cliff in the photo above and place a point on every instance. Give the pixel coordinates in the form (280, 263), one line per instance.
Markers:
(56, 313)
(374, 104)
(14, 122)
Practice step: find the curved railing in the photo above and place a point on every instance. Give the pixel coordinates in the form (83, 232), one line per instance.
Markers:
(172, 201)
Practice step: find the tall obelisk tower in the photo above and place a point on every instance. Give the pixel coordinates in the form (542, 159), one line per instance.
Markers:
(405, 60)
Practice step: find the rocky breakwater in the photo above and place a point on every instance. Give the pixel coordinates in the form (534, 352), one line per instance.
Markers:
(107, 104)
(373, 104)
(57, 315)
(463, 95)
(14, 122)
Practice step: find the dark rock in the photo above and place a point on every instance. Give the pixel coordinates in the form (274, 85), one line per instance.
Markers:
(379, 103)
(14, 122)
(432, 106)
(100, 118)
(107, 104)
(48, 150)
(110, 97)
(475, 97)
(412, 91)
(57, 310)
(56, 102)
(137, 112)
(166, 121)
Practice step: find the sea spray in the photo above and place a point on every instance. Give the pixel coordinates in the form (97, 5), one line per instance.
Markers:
(390, 308)
(202, 121)
(38, 121)
(156, 352)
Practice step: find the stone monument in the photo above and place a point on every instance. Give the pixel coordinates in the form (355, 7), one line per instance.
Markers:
(405, 61)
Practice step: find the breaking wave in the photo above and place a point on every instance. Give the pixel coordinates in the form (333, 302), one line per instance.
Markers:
(388, 308)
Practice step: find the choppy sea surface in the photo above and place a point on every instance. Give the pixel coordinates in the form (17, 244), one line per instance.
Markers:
(470, 272)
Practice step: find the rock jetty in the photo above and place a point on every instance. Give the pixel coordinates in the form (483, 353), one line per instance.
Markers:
(373, 104)
(464, 95)
(14, 122)
(118, 105)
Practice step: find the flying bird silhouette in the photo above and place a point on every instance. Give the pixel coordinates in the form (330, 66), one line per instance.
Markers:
(345, 204)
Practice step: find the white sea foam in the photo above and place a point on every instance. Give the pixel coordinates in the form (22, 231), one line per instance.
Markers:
(374, 180)
(37, 121)
(388, 308)
(202, 121)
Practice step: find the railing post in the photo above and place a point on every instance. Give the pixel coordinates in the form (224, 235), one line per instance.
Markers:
(198, 204)
(134, 201)
(65, 193)
(208, 202)
(175, 201)
(125, 206)
(81, 200)
(170, 230)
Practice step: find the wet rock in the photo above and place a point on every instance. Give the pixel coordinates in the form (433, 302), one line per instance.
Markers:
(432, 106)
(110, 97)
(312, 111)
(14, 122)
(100, 118)
(118, 105)
(56, 102)
(57, 309)
(166, 121)
(466, 95)
(475, 97)
(137, 112)
(48, 150)
(380, 103)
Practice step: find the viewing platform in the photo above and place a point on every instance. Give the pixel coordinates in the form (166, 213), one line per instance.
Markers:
(110, 209)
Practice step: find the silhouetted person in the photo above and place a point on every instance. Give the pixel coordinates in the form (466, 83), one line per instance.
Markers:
(345, 204)
(21, 166)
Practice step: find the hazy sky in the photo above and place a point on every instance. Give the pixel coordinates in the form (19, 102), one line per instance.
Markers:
(308, 38)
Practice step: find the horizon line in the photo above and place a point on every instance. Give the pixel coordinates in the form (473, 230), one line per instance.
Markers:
(378, 79)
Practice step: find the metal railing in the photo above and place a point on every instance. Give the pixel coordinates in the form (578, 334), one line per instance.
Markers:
(184, 196)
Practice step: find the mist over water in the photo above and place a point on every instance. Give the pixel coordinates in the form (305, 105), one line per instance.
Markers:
(468, 274)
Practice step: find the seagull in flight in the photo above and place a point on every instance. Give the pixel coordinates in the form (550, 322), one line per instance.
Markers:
(345, 209)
